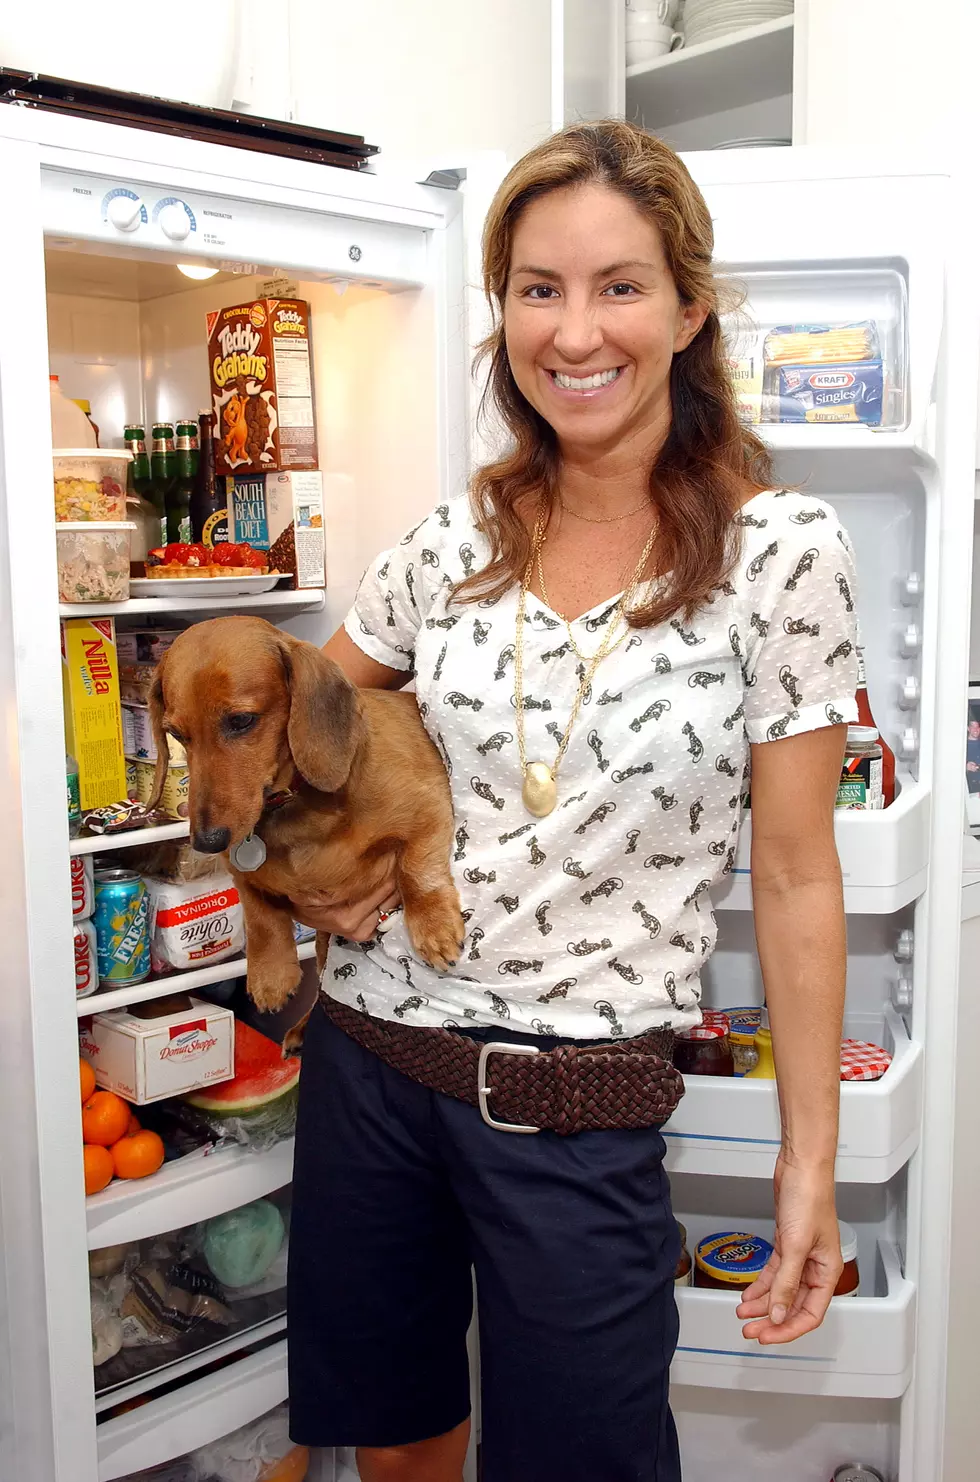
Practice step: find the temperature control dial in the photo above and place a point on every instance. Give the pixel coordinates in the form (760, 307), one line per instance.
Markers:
(175, 218)
(174, 223)
(125, 211)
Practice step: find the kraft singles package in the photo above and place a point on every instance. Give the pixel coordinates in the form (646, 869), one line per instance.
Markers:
(829, 393)
(823, 373)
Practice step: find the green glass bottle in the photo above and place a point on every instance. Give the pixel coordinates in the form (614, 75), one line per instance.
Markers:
(179, 498)
(138, 472)
(163, 471)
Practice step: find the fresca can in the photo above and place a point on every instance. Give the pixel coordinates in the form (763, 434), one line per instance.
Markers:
(82, 886)
(86, 959)
(122, 926)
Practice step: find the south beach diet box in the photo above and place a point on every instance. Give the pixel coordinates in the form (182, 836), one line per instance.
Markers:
(145, 1060)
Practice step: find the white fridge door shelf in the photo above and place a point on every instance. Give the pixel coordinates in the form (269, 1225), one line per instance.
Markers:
(883, 856)
(193, 1415)
(731, 1127)
(196, 603)
(187, 1190)
(862, 1350)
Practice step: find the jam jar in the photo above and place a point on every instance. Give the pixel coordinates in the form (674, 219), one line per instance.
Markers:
(704, 1050)
(850, 1279)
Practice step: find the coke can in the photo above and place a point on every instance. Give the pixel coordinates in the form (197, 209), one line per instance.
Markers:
(86, 959)
(122, 927)
(853, 1471)
(82, 886)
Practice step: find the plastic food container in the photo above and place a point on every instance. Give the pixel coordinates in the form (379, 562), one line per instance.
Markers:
(89, 484)
(730, 1261)
(93, 560)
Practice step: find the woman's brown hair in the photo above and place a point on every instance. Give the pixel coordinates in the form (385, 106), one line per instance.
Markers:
(709, 462)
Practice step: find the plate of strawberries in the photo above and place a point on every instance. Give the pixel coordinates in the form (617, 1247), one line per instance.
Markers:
(228, 569)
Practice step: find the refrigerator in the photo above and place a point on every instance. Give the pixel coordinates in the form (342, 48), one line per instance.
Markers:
(99, 216)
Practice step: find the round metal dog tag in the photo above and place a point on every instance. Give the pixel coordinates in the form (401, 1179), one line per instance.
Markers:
(249, 854)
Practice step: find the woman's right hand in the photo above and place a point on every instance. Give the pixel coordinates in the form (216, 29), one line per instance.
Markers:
(357, 920)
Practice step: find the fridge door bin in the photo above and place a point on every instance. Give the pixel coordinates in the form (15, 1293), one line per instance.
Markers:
(194, 1414)
(863, 1349)
(883, 856)
(184, 1191)
(731, 1127)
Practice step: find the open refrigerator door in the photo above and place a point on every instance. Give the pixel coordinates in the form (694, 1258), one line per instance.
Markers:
(371, 273)
(855, 359)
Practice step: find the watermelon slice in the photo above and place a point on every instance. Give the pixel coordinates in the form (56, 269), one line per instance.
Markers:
(258, 1105)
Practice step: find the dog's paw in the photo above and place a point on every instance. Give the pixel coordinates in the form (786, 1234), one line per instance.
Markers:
(437, 930)
(271, 990)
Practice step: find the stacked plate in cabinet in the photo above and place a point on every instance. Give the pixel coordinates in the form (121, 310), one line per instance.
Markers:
(706, 20)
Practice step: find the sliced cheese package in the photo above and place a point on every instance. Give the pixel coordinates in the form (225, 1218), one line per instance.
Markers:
(822, 373)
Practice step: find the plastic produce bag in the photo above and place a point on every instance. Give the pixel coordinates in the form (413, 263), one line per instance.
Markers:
(241, 1245)
(107, 1332)
(181, 1470)
(259, 1452)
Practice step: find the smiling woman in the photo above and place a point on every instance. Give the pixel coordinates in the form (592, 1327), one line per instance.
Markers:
(602, 631)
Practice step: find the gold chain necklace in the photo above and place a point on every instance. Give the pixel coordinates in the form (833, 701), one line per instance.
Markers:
(582, 658)
(539, 789)
(603, 519)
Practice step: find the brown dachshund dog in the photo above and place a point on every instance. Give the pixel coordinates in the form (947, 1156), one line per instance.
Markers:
(264, 716)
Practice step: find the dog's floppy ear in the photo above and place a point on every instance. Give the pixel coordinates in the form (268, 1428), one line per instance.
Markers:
(155, 702)
(325, 724)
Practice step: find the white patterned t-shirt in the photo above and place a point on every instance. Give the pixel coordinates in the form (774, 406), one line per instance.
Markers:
(596, 920)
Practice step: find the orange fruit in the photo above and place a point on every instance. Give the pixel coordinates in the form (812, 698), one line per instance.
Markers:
(105, 1117)
(137, 1156)
(98, 1167)
(133, 1127)
(293, 1467)
(87, 1077)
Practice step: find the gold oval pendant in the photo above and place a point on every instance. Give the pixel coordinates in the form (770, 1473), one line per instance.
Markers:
(540, 790)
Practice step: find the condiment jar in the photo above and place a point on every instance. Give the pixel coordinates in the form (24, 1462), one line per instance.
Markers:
(744, 1028)
(730, 1261)
(765, 1066)
(850, 1278)
(860, 785)
(704, 1050)
(685, 1266)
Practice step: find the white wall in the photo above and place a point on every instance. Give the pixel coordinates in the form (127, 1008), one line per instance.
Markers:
(430, 77)
(886, 74)
(417, 77)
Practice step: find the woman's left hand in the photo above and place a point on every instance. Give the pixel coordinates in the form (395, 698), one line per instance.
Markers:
(793, 1293)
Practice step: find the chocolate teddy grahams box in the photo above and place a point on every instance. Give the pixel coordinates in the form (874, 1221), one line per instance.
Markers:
(260, 364)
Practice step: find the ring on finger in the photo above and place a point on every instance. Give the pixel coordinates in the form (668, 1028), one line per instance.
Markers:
(385, 918)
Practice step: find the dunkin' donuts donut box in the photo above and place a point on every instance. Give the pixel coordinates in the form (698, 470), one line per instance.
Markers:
(262, 387)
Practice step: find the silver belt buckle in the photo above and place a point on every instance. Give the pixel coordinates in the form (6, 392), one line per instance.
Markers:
(499, 1047)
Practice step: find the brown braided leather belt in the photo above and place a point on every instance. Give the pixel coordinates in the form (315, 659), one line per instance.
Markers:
(519, 1088)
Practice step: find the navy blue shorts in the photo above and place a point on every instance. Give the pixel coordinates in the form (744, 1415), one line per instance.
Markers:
(398, 1193)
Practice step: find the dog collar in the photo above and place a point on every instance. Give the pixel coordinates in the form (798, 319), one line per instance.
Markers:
(276, 799)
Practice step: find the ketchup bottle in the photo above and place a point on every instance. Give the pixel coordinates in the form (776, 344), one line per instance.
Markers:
(865, 718)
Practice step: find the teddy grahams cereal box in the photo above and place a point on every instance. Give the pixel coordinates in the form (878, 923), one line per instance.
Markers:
(262, 387)
(93, 714)
(282, 513)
